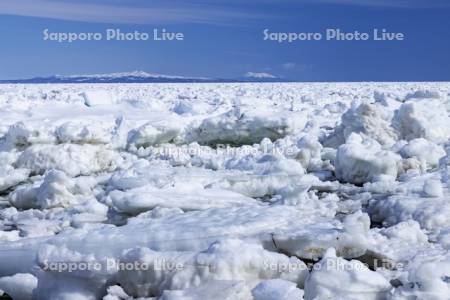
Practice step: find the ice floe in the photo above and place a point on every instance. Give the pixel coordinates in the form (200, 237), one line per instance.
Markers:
(225, 191)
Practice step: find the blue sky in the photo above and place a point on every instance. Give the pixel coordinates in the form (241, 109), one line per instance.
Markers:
(224, 39)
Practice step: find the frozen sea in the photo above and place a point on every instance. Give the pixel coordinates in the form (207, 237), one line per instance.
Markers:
(265, 191)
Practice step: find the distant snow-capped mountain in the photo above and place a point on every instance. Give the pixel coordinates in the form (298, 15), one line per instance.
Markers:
(136, 77)
(134, 74)
(260, 75)
(122, 77)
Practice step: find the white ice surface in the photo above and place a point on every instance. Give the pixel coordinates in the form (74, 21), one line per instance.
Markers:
(246, 186)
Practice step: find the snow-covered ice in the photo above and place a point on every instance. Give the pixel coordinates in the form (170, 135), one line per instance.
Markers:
(225, 191)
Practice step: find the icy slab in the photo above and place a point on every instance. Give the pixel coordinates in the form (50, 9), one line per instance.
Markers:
(83, 133)
(428, 153)
(281, 228)
(10, 176)
(423, 119)
(277, 289)
(359, 161)
(237, 127)
(184, 196)
(422, 198)
(336, 277)
(368, 120)
(94, 98)
(228, 260)
(56, 190)
(19, 286)
(21, 135)
(426, 277)
(115, 292)
(430, 213)
(148, 135)
(73, 159)
(224, 290)
(397, 244)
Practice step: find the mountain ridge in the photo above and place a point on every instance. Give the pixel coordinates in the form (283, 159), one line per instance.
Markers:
(139, 77)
